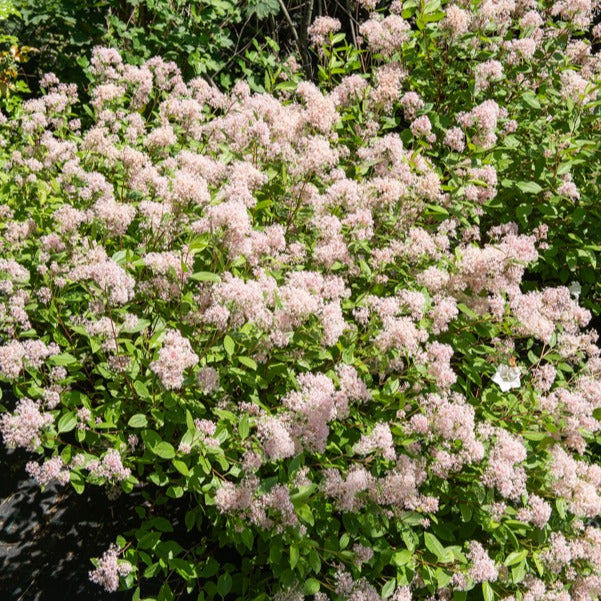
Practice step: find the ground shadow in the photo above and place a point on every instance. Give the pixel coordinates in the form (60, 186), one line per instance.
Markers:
(47, 538)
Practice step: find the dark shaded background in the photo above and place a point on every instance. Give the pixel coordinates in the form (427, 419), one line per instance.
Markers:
(47, 538)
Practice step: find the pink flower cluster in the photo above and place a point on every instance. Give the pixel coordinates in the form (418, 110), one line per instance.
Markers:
(398, 488)
(319, 31)
(504, 472)
(482, 567)
(24, 426)
(175, 357)
(16, 355)
(482, 119)
(273, 509)
(577, 482)
(109, 569)
(111, 467)
(116, 285)
(380, 440)
(386, 36)
(52, 469)
(456, 20)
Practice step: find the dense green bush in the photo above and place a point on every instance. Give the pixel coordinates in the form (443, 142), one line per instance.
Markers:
(207, 38)
(12, 56)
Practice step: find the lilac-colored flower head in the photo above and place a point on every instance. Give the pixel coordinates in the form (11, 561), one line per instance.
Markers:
(109, 569)
(482, 567)
(320, 30)
(174, 358)
(23, 427)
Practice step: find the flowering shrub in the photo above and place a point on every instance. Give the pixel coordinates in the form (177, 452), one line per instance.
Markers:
(279, 318)
(512, 88)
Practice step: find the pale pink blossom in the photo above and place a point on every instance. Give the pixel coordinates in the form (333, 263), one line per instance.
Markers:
(24, 426)
(320, 30)
(482, 567)
(109, 569)
(175, 357)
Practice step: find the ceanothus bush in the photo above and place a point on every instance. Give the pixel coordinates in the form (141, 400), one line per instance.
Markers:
(279, 316)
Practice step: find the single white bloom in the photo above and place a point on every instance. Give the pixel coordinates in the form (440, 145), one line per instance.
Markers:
(507, 377)
(575, 289)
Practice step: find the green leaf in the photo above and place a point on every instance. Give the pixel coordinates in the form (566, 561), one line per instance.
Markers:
(141, 389)
(204, 464)
(539, 565)
(518, 572)
(529, 187)
(535, 436)
(139, 420)
(229, 345)
(150, 438)
(190, 519)
(294, 556)
(165, 594)
(466, 512)
(311, 586)
(205, 276)
(315, 561)
(515, 557)
(77, 481)
(164, 450)
(149, 540)
(224, 584)
(186, 569)
(67, 422)
(181, 467)
(247, 538)
(161, 524)
(248, 362)
(305, 514)
(244, 427)
(190, 421)
(62, 359)
(466, 310)
(175, 492)
(401, 558)
(531, 100)
(410, 539)
(487, 592)
(523, 211)
(263, 8)
(388, 588)
(435, 547)
(303, 493)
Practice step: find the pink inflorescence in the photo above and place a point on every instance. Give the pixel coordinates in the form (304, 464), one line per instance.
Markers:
(23, 427)
(174, 358)
(109, 569)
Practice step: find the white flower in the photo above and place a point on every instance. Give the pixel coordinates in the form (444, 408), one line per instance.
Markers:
(575, 289)
(507, 377)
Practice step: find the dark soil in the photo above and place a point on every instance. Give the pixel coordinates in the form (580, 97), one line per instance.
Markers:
(47, 538)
